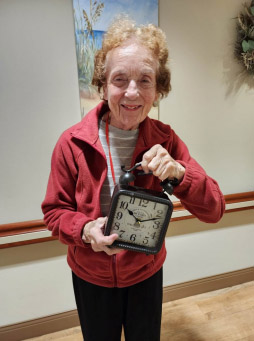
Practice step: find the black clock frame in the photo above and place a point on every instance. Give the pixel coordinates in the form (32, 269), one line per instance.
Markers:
(141, 193)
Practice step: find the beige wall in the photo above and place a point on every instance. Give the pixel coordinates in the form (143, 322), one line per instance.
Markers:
(210, 107)
(38, 98)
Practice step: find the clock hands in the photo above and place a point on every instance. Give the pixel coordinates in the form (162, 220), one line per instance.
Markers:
(141, 221)
(137, 219)
(131, 213)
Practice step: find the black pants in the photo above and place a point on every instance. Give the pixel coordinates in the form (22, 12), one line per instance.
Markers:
(103, 311)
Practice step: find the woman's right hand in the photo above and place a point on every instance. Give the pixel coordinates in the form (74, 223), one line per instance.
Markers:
(93, 233)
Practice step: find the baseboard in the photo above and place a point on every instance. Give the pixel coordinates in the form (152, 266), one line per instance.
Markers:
(40, 326)
(200, 286)
(54, 323)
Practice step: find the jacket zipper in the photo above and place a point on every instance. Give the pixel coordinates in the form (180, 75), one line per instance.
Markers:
(114, 269)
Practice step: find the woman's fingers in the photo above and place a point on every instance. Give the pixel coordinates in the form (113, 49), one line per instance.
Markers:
(160, 162)
(93, 231)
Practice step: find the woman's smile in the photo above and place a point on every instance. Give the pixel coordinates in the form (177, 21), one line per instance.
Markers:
(131, 107)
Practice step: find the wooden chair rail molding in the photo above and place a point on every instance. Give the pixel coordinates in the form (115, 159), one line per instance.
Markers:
(25, 227)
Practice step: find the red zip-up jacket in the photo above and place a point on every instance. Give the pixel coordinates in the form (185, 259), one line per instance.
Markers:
(78, 170)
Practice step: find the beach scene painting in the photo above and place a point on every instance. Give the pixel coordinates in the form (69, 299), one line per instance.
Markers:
(91, 20)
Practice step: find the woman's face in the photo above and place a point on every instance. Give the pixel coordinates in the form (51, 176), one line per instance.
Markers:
(130, 84)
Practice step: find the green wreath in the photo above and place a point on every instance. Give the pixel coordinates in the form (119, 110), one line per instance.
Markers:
(244, 47)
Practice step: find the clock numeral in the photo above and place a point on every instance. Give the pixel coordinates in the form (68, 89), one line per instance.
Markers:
(155, 204)
(121, 232)
(133, 237)
(132, 200)
(157, 224)
(119, 215)
(116, 226)
(146, 240)
(143, 202)
(159, 213)
(124, 205)
(153, 235)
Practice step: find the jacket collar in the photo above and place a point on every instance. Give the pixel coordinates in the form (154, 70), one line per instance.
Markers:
(87, 130)
(150, 131)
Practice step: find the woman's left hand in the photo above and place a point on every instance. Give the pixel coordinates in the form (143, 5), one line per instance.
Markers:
(163, 166)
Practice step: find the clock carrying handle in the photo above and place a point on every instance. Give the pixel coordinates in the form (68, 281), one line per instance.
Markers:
(125, 179)
(168, 185)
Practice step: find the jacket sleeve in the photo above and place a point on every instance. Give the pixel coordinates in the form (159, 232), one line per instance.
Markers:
(59, 206)
(198, 192)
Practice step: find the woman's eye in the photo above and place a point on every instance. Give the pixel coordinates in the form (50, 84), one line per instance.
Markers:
(120, 78)
(146, 82)
(119, 81)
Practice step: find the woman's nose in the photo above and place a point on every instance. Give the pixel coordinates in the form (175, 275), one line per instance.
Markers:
(132, 90)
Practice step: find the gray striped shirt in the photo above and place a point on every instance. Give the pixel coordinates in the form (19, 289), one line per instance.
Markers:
(122, 144)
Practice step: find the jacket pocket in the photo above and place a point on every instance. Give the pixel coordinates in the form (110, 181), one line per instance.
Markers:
(134, 265)
(96, 264)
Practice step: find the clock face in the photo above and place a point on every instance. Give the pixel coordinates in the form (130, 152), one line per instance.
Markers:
(139, 220)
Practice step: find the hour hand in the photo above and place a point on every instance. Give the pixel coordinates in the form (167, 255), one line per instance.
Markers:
(131, 213)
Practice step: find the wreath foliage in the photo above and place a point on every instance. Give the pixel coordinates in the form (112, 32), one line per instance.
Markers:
(244, 46)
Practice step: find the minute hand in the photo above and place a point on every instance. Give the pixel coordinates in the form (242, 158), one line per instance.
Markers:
(141, 221)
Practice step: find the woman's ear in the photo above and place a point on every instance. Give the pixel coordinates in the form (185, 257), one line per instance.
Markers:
(105, 92)
(157, 97)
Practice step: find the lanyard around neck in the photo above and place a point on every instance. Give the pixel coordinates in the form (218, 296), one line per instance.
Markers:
(110, 157)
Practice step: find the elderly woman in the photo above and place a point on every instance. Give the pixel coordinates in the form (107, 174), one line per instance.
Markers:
(114, 287)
